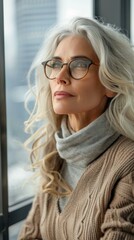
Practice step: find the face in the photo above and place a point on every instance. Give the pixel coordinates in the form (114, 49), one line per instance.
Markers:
(86, 96)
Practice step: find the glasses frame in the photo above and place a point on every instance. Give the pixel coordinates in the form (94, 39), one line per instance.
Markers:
(90, 62)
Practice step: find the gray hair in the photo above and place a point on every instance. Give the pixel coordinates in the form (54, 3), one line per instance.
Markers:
(116, 72)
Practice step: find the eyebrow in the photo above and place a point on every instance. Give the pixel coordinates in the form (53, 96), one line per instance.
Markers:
(74, 57)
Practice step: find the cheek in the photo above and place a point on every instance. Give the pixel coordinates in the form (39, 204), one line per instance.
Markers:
(51, 86)
(52, 89)
(91, 90)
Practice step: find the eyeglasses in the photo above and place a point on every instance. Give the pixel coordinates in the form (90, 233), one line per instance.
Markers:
(77, 68)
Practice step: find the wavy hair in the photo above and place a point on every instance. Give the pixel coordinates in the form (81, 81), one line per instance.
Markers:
(116, 72)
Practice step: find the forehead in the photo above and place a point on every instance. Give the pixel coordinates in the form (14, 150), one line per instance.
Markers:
(75, 45)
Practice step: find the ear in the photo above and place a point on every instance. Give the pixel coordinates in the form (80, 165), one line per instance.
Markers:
(110, 93)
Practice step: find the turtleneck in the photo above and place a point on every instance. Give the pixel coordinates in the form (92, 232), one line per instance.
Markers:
(79, 149)
(82, 147)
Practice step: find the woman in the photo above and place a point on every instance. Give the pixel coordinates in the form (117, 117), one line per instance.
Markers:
(84, 143)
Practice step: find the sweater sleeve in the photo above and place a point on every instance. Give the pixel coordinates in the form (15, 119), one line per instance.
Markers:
(119, 218)
(31, 227)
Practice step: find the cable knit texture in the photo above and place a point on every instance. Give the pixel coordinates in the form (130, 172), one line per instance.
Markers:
(101, 206)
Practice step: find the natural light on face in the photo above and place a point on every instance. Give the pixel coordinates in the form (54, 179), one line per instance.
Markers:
(71, 96)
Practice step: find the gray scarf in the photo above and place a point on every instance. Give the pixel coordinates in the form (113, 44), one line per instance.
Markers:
(82, 147)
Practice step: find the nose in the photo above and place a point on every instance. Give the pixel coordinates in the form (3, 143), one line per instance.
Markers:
(63, 76)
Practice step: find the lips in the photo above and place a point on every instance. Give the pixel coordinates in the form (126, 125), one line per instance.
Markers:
(63, 93)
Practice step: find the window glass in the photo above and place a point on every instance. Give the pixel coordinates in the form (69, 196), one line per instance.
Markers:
(25, 23)
(14, 230)
(68, 9)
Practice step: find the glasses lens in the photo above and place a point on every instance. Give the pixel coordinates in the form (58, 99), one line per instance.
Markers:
(79, 68)
(52, 68)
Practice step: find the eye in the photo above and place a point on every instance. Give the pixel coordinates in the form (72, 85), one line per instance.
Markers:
(82, 64)
(55, 64)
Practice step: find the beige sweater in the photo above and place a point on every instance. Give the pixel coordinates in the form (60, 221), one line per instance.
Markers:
(101, 206)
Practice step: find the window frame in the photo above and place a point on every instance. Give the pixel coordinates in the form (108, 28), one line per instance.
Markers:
(7, 217)
(121, 16)
(3, 135)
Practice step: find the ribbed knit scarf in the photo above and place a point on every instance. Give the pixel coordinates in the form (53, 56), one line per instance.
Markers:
(79, 149)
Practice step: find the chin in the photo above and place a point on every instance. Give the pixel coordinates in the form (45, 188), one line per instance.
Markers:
(62, 111)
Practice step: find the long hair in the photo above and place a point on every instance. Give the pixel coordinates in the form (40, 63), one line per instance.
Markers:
(116, 72)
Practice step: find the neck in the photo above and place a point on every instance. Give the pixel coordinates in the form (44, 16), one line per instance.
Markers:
(79, 121)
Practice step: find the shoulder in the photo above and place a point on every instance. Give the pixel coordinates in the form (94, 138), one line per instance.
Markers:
(121, 154)
(123, 148)
(124, 143)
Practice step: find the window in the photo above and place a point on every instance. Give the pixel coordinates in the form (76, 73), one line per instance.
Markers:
(132, 22)
(23, 28)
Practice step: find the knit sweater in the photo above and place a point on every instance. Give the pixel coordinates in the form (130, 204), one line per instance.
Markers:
(78, 149)
(101, 207)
